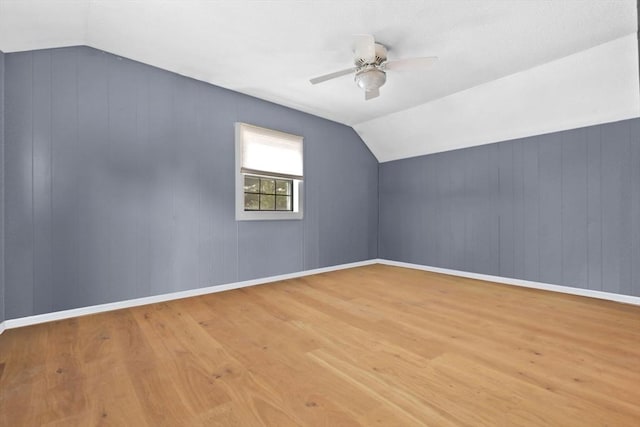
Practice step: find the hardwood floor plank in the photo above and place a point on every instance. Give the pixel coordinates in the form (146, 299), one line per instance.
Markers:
(24, 379)
(272, 354)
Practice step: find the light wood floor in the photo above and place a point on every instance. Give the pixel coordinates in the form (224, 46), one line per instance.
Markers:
(376, 345)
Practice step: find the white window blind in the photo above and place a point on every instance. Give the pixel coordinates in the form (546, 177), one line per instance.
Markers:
(269, 152)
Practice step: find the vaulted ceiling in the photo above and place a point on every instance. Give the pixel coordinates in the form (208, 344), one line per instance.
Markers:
(506, 69)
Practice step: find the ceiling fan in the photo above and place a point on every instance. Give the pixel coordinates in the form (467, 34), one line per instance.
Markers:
(371, 66)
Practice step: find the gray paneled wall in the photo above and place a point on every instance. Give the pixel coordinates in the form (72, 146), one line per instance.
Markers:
(1, 186)
(120, 184)
(562, 208)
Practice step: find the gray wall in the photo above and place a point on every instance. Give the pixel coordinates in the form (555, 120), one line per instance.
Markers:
(120, 184)
(562, 208)
(1, 186)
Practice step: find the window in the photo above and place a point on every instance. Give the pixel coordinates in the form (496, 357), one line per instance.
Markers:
(269, 174)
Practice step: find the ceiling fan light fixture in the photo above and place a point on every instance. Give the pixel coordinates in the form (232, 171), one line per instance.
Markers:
(371, 79)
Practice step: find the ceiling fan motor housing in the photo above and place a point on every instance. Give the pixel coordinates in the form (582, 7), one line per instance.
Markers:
(380, 57)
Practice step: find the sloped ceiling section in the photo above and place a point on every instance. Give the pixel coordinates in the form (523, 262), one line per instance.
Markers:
(594, 86)
(507, 68)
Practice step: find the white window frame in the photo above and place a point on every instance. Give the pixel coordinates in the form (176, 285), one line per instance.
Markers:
(297, 190)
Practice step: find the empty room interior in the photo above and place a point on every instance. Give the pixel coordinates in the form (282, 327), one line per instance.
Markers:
(319, 212)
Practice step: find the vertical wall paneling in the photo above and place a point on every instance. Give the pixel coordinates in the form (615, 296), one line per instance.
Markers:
(431, 218)
(386, 244)
(444, 187)
(312, 186)
(18, 175)
(628, 215)
(124, 178)
(66, 184)
(457, 213)
(594, 208)
(186, 191)
(518, 210)
(616, 205)
(144, 150)
(218, 214)
(160, 175)
(491, 245)
(267, 251)
(42, 145)
(611, 205)
(372, 203)
(574, 208)
(506, 214)
(120, 184)
(565, 208)
(390, 209)
(94, 195)
(550, 209)
(481, 228)
(531, 192)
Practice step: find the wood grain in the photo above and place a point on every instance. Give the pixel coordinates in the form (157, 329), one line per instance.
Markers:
(371, 345)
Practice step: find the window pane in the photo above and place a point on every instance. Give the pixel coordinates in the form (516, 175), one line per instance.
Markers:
(251, 184)
(267, 194)
(283, 203)
(283, 187)
(251, 202)
(267, 186)
(267, 203)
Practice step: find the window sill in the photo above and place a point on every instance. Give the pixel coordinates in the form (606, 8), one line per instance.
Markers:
(267, 216)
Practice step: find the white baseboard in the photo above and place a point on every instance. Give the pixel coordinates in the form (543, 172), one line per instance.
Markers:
(83, 311)
(628, 299)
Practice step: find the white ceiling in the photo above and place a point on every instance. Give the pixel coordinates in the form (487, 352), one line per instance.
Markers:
(507, 69)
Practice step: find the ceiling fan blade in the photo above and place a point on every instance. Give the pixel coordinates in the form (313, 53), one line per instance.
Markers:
(364, 47)
(333, 75)
(411, 64)
(370, 94)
